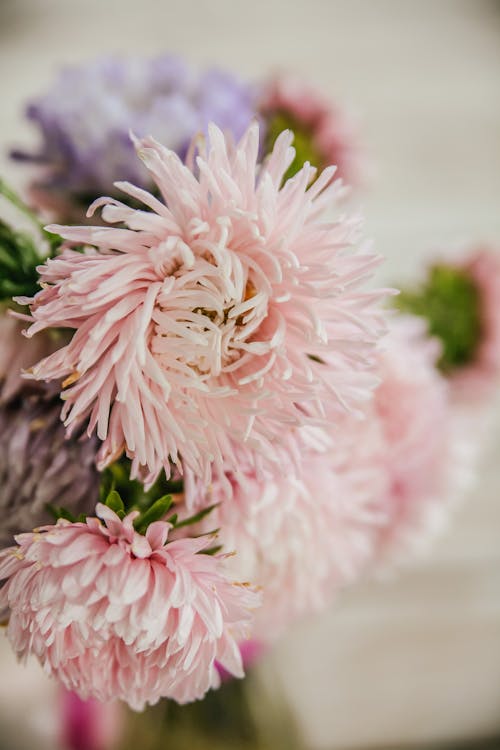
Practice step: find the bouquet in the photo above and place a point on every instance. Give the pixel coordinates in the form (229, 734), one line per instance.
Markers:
(213, 419)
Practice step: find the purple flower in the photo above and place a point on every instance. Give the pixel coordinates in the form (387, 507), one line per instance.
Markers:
(86, 117)
(40, 466)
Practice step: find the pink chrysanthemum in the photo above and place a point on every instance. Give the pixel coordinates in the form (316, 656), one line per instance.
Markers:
(476, 380)
(202, 323)
(114, 614)
(301, 538)
(426, 458)
(323, 131)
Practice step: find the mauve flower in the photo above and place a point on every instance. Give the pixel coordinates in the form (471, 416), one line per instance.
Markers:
(202, 324)
(39, 465)
(117, 615)
(18, 353)
(324, 134)
(89, 725)
(85, 118)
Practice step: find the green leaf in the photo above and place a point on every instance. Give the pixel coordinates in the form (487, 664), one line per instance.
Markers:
(15, 200)
(211, 550)
(155, 513)
(132, 492)
(59, 512)
(19, 259)
(303, 141)
(115, 502)
(197, 517)
(450, 302)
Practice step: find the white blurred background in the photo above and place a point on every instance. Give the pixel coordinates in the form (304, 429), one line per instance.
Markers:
(415, 659)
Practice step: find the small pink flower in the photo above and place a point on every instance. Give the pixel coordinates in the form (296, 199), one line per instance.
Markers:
(476, 381)
(331, 134)
(202, 323)
(114, 614)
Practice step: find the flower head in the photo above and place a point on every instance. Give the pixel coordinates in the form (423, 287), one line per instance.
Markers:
(459, 300)
(115, 614)
(85, 119)
(203, 322)
(425, 456)
(323, 133)
(301, 538)
(40, 466)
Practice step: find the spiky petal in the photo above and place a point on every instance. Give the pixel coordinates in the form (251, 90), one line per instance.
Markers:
(115, 614)
(202, 324)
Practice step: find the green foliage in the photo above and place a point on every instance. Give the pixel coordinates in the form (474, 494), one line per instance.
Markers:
(132, 492)
(115, 502)
(122, 495)
(19, 259)
(59, 512)
(450, 302)
(197, 516)
(156, 512)
(303, 142)
(19, 254)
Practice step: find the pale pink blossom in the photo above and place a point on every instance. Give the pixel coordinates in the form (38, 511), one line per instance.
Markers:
(476, 381)
(118, 615)
(301, 538)
(201, 324)
(426, 457)
(331, 131)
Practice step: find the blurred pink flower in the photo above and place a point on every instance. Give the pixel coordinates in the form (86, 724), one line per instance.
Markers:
(115, 614)
(300, 538)
(251, 651)
(476, 381)
(89, 725)
(326, 126)
(203, 323)
(425, 457)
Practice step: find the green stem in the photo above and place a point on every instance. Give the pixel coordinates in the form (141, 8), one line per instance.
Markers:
(14, 199)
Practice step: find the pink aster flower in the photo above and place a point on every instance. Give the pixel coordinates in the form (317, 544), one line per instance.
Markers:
(300, 538)
(427, 459)
(115, 614)
(202, 322)
(324, 132)
(476, 381)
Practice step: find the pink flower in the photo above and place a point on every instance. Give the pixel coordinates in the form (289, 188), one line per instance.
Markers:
(476, 381)
(251, 651)
(300, 538)
(324, 128)
(425, 456)
(201, 324)
(114, 614)
(89, 725)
